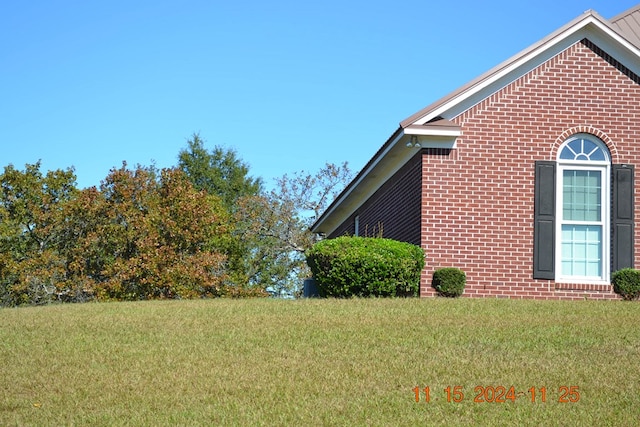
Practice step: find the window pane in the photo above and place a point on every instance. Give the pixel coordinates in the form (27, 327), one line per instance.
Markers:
(581, 195)
(567, 154)
(581, 250)
(588, 147)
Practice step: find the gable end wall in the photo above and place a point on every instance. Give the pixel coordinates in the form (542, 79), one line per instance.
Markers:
(477, 210)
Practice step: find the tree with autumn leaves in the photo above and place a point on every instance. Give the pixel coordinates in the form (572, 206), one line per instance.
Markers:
(270, 230)
(32, 243)
(202, 229)
(157, 237)
(145, 234)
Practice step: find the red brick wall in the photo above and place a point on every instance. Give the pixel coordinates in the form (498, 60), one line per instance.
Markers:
(393, 210)
(477, 201)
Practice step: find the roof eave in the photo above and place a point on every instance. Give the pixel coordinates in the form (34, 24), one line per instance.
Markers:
(397, 150)
(320, 225)
(441, 127)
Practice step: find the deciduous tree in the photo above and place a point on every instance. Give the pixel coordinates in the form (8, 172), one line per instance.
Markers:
(278, 225)
(32, 268)
(157, 237)
(144, 234)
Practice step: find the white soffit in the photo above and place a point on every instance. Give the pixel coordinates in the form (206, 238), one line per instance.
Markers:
(432, 131)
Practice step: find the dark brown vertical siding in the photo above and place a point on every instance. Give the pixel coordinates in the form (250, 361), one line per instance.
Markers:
(394, 210)
(347, 228)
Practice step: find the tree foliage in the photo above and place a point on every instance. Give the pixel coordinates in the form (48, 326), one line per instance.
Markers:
(222, 175)
(157, 237)
(270, 229)
(31, 266)
(277, 223)
(219, 171)
(204, 228)
(309, 194)
(145, 234)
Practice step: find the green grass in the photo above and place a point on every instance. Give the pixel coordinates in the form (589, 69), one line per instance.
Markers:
(318, 362)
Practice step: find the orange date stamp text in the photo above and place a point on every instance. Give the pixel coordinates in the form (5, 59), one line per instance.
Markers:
(499, 394)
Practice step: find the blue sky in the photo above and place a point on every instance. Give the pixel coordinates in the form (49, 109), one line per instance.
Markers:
(290, 85)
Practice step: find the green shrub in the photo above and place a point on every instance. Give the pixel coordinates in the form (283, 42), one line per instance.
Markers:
(626, 283)
(449, 281)
(361, 266)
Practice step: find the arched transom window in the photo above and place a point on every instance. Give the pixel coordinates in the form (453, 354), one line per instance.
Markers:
(584, 148)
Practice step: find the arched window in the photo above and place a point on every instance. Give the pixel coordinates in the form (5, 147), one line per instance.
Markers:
(583, 215)
(583, 148)
(582, 210)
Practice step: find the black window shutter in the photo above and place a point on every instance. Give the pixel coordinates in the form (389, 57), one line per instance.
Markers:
(544, 221)
(621, 217)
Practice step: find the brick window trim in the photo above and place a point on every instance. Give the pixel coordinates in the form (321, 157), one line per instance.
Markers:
(559, 286)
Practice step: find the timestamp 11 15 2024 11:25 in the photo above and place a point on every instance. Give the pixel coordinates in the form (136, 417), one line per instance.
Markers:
(501, 394)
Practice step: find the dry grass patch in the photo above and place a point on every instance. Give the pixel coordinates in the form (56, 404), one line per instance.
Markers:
(317, 362)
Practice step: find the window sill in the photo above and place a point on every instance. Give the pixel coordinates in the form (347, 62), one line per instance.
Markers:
(595, 286)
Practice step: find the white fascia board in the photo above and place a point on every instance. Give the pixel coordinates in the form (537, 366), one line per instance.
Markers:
(431, 137)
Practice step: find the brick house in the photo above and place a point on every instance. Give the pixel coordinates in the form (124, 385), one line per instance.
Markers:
(524, 178)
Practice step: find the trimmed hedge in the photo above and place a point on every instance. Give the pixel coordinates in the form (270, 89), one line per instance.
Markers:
(626, 283)
(365, 267)
(449, 281)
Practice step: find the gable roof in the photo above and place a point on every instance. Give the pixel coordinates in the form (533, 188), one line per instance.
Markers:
(588, 24)
(432, 126)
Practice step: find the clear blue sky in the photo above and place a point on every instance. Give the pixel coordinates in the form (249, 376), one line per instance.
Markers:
(289, 85)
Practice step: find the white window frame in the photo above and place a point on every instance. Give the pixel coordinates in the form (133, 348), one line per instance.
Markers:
(604, 167)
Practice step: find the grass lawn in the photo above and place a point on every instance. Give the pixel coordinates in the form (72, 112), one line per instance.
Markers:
(321, 362)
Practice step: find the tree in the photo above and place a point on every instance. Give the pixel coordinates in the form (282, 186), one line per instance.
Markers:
(261, 222)
(270, 229)
(32, 265)
(144, 234)
(308, 196)
(156, 237)
(204, 228)
(219, 172)
(278, 225)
